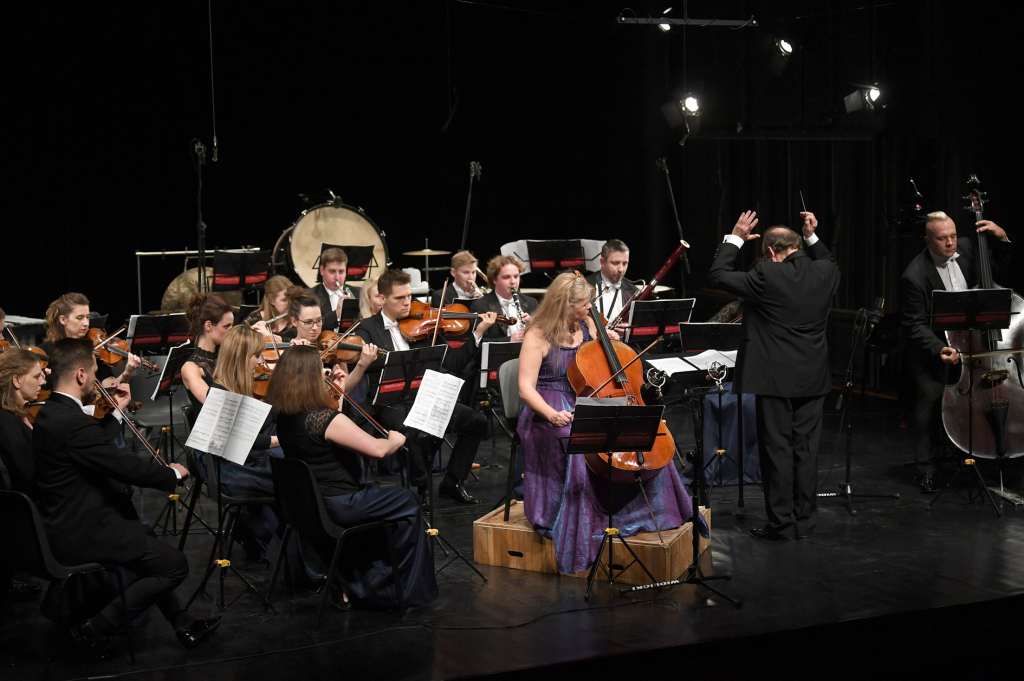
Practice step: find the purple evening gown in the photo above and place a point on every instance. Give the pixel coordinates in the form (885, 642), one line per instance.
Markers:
(564, 500)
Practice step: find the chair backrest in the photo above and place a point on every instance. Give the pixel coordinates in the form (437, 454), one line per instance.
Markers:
(22, 537)
(300, 502)
(508, 379)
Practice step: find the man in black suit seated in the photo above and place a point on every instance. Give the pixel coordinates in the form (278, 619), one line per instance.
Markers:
(332, 290)
(783, 360)
(504, 272)
(944, 265)
(381, 330)
(81, 480)
(610, 283)
(463, 281)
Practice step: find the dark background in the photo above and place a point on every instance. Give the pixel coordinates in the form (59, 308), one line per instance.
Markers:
(560, 105)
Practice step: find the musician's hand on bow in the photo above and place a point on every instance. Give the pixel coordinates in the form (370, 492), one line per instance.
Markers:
(396, 440)
(368, 355)
(993, 229)
(810, 223)
(745, 225)
(560, 418)
(122, 395)
(182, 471)
(950, 356)
(300, 341)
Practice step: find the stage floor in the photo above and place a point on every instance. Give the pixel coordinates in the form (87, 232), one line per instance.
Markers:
(895, 589)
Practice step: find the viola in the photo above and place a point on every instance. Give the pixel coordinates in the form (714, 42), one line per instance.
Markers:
(43, 357)
(333, 350)
(455, 320)
(113, 351)
(109, 400)
(607, 368)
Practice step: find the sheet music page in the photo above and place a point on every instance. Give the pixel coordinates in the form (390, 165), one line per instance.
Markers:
(213, 426)
(248, 423)
(130, 333)
(703, 359)
(671, 365)
(434, 403)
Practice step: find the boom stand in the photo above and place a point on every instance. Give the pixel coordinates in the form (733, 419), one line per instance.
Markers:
(617, 428)
(845, 399)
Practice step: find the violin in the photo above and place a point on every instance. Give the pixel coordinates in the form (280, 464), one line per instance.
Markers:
(43, 357)
(333, 350)
(261, 381)
(113, 351)
(103, 405)
(607, 368)
(455, 319)
(106, 398)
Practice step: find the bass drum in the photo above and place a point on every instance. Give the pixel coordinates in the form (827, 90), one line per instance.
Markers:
(330, 223)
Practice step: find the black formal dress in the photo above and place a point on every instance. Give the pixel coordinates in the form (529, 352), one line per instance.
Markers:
(783, 360)
(16, 453)
(627, 290)
(349, 501)
(207, 361)
(88, 519)
(491, 303)
(922, 347)
(330, 314)
(469, 425)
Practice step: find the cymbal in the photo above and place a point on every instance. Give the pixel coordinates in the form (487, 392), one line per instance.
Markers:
(426, 252)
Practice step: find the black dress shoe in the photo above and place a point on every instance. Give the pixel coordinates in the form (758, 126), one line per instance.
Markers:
(98, 647)
(767, 533)
(928, 485)
(21, 591)
(193, 634)
(457, 492)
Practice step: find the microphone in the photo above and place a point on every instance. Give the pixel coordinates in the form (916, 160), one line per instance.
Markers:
(876, 314)
(214, 148)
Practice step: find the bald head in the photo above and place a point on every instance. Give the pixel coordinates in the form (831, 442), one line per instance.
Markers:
(940, 235)
(778, 242)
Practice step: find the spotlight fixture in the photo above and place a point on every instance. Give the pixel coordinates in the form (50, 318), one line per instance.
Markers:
(864, 97)
(664, 25)
(690, 106)
(781, 51)
(784, 47)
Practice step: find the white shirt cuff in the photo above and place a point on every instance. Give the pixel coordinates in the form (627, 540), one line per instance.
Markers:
(734, 240)
(811, 240)
(176, 473)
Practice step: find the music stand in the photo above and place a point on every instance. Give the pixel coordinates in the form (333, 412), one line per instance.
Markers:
(649, 319)
(972, 310)
(492, 356)
(239, 270)
(360, 260)
(157, 332)
(598, 428)
(555, 255)
(349, 313)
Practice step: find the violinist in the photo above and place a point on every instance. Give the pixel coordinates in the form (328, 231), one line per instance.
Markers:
(209, 317)
(21, 380)
(332, 290)
(68, 317)
(613, 289)
(306, 315)
(945, 264)
(504, 271)
(85, 523)
(330, 444)
(369, 301)
(463, 285)
(275, 304)
(559, 496)
(383, 330)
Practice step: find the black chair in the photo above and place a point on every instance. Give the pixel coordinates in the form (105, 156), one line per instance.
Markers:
(302, 509)
(512, 405)
(225, 529)
(24, 546)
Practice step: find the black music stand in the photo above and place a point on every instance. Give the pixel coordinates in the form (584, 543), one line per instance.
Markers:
(492, 356)
(157, 333)
(598, 428)
(349, 313)
(360, 260)
(972, 310)
(555, 255)
(239, 270)
(649, 319)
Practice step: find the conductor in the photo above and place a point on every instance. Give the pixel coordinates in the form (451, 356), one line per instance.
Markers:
(783, 360)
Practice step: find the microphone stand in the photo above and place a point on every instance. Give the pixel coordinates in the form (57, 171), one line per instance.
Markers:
(200, 151)
(474, 174)
(685, 272)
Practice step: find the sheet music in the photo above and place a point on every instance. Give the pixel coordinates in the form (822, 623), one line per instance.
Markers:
(228, 425)
(671, 365)
(703, 359)
(435, 402)
(130, 333)
(699, 362)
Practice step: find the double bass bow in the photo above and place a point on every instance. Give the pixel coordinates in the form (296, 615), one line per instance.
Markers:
(986, 417)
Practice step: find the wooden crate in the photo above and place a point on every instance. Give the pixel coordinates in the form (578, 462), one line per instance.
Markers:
(515, 545)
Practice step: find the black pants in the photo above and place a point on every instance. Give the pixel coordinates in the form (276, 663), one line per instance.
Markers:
(161, 568)
(928, 431)
(788, 430)
(470, 426)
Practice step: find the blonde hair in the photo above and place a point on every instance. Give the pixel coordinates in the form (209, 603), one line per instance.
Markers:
(463, 258)
(495, 264)
(15, 362)
(365, 306)
(233, 371)
(552, 316)
(58, 308)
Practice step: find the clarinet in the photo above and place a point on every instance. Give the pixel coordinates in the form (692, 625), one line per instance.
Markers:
(519, 306)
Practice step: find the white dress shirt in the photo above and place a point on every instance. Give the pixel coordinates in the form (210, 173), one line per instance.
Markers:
(610, 300)
(950, 272)
(508, 309)
(738, 242)
(397, 339)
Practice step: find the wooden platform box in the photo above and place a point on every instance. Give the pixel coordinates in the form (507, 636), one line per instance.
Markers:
(515, 545)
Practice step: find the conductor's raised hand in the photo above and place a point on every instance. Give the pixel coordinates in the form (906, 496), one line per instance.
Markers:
(810, 224)
(745, 225)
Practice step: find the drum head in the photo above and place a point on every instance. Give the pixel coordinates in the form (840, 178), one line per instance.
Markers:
(332, 224)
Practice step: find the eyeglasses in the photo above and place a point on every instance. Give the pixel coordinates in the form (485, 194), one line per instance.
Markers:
(310, 323)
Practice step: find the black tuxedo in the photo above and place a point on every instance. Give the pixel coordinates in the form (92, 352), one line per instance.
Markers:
(470, 425)
(329, 313)
(783, 360)
(626, 291)
(922, 347)
(89, 517)
(16, 453)
(490, 303)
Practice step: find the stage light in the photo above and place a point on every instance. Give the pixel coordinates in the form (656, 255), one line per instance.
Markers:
(664, 25)
(690, 106)
(784, 47)
(864, 97)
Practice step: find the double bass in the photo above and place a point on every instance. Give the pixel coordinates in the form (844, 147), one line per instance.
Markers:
(994, 428)
(595, 363)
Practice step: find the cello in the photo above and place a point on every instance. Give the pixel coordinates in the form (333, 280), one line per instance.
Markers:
(590, 373)
(994, 427)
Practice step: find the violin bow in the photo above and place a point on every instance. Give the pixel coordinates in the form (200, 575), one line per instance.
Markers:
(109, 338)
(9, 330)
(440, 313)
(124, 417)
